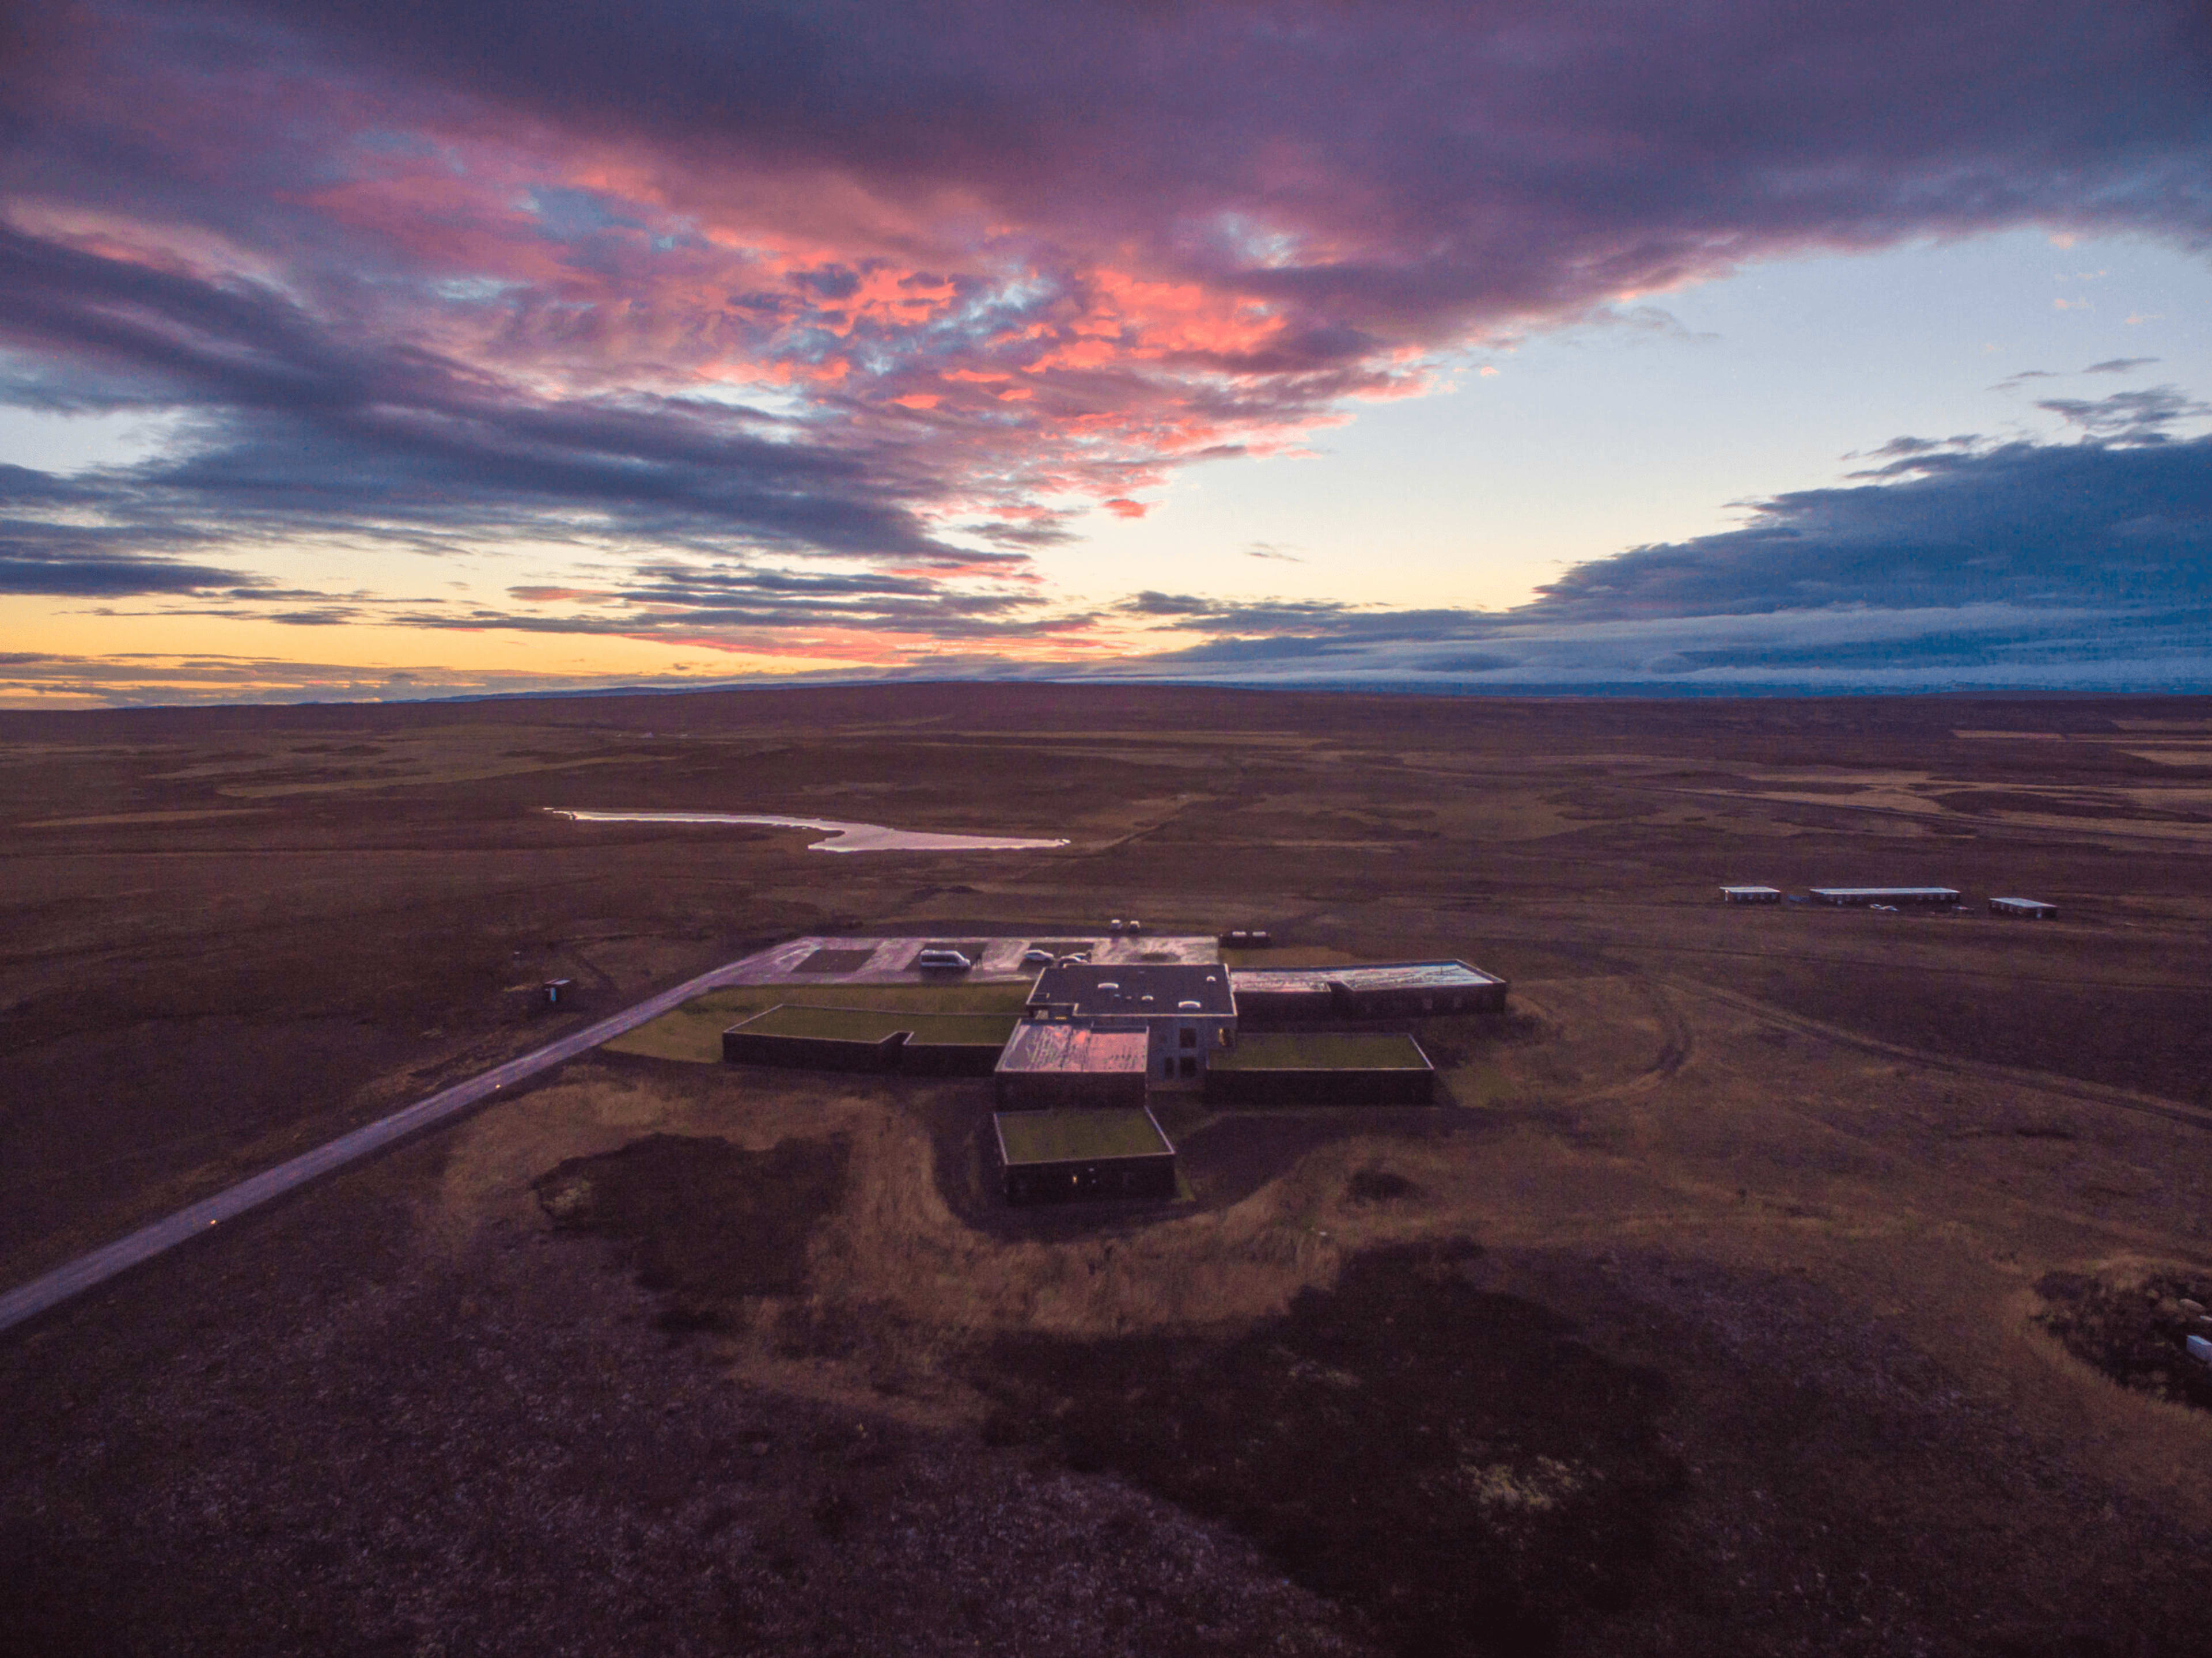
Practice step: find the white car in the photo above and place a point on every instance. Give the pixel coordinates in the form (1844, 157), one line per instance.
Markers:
(1036, 958)
(943, 961)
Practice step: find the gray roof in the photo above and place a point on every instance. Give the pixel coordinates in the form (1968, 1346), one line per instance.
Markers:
(1886, 892)
(1135, 990)
(1079, 1136)
(1389, 975)
(1043, 1046)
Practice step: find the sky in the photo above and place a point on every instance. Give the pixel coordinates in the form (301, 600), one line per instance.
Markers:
(418, 348)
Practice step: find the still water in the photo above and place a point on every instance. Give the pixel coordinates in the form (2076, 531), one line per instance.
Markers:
(844, 837)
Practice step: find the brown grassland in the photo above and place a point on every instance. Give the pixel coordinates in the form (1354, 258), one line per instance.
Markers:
(1773, 1280)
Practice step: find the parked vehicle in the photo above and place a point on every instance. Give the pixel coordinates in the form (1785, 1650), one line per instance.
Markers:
(943, 961)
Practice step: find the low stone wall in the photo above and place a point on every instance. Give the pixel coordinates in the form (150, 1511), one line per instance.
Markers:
(812, 1053)
(950, 1059)
(1043, 1090)
(1399, 1085)
(894, 1053)
(1342, 1004)
(1105, 1179)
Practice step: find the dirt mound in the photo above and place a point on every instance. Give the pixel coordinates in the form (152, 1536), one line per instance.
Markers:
(2136, 1333)
(704, 1223)
(1451, 1463)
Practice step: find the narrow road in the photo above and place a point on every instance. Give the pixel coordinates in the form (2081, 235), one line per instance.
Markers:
(51, 1290)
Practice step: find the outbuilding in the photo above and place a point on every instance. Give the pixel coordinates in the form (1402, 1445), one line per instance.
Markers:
(1068, 1155)
(2033, 909)
(1751, 895)
(1926, 898)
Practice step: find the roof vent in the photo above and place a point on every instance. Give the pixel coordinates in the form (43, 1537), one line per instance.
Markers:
(1189, 1007)
(1109, 984)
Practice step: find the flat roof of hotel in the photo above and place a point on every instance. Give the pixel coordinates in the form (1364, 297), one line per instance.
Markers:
(1049, 1046)
(1140, 990)
(1384, 975)
(1079, 1136)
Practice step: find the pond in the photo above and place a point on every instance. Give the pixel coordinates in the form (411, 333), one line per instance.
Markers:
(843, 837)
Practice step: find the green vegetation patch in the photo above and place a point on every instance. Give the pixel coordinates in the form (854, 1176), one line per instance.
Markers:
(694, 1031)
(1077, 1136)
(1320, 1051)
(865, 1025)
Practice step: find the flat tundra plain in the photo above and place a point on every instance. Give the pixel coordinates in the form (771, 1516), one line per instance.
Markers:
(1773, 1280)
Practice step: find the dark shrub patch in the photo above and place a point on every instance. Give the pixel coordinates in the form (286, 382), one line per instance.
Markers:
(1377, 1185)
(2139, 1335)
(701, 1220)
(1452, 1463)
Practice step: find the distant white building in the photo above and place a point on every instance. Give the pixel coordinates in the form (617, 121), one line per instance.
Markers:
(1751, 895)
(1899, 896)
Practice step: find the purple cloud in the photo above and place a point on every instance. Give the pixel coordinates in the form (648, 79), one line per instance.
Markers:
(919, 285)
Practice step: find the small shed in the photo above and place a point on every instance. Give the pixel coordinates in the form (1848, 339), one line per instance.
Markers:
(2033, 909)
(1751, 895)
(1068, 1155)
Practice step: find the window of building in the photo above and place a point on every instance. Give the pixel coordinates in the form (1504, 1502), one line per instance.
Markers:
(1166, 1065)
(1189, 1065)
(1189, 1037)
